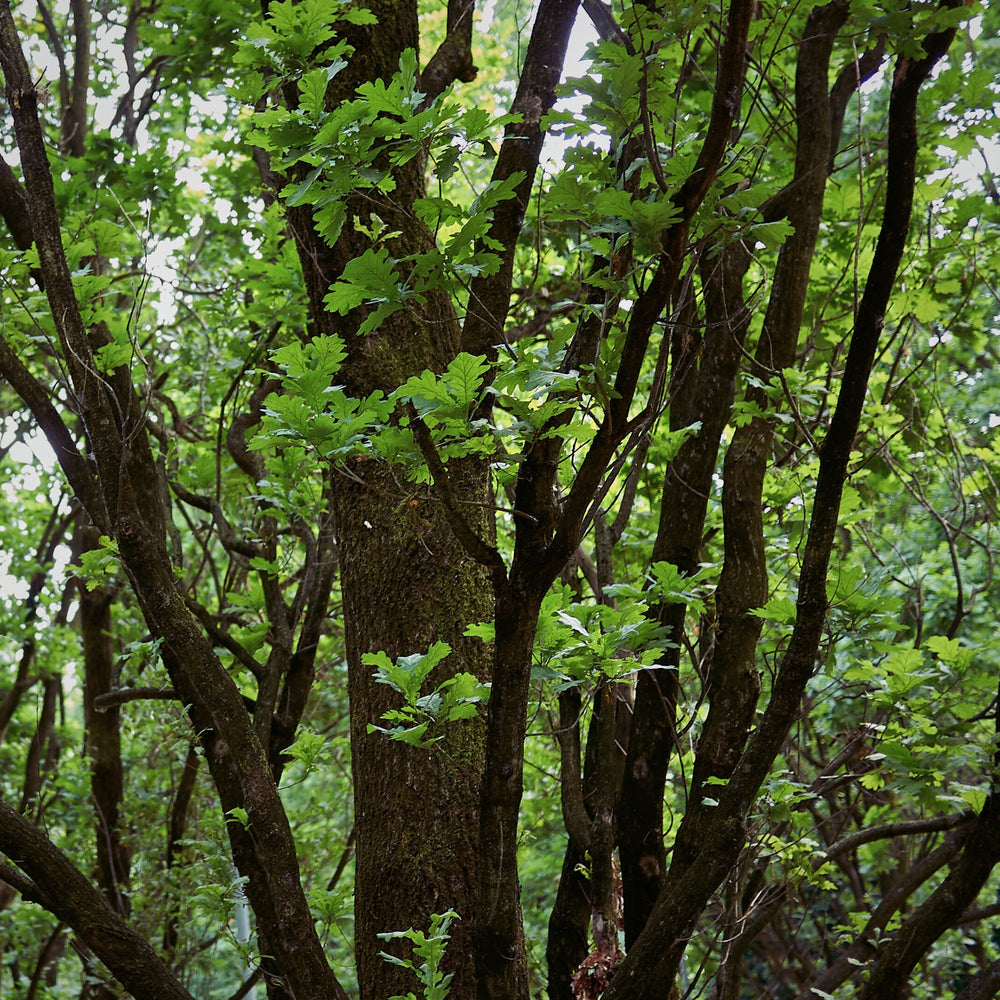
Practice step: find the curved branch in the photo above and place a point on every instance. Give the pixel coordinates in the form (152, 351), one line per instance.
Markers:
(58, 885)
(486, 555)
(451, 62)
(227, 536)
(112, 699)
(36, 397)
(901, 829)
(489, 297)
(574, 810)
(14, 207)
(984, 985)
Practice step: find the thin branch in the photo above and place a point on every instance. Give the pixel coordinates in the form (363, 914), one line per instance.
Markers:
(901, 829)
(36, 398)
(55, 43)
(486, 555)
(223, 639)
(489, 297)
(227, 535)
(22, 884)
(602, 17)
(345, 856)
(574, 810)
(249, 983)
(112, 699)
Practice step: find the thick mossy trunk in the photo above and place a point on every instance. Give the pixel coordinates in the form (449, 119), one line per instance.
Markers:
(407, 584)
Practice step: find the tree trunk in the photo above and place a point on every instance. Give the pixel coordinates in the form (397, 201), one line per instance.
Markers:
(406, 582)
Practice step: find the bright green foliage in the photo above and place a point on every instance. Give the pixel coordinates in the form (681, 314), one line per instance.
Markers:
(97, 565)
(585, 642)
(430, 947)
(179, 255)
(458, 697)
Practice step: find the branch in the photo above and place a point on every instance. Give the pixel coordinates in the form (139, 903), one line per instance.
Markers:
(486, 555)
(14, 207)
(602, 17)
(653, 962)
(50, 953)
(862, 949)
(227, 535)
(345, 856)
(223, 639)
(250, 982)
(574, 810)
(75, 117)
(24, 885)
(453, 60)
(848, 82)
(654, 298)
(55, 43)
(984, 985)
(112, 699)
(796, 666)
(945, 905)
(58, 885)
(982, 913)
(901, 829)
(264, 850)
(37, 399)
(22, 99)
(489, 296)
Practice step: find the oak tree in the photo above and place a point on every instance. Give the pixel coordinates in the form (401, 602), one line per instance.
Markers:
(477, 529)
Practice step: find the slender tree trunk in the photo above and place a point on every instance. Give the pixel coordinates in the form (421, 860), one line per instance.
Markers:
(103, 748)
(103, 739)
(701, 390)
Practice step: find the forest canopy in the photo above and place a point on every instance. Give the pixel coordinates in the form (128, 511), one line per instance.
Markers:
(498, 500)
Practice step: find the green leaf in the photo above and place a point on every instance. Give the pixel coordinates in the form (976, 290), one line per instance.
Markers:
(239, 815)
(481, 630)
(368, 278)
(903, 661)
(770, 234)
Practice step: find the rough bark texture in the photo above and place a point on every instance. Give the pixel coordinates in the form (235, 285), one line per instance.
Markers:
(123, 499)
(59, 886)
(103, 749)
(103, 739)
(985, 985)
(569, 926)
(407, 582)
(549, 537)
(653, 962)
(734, 683)
(702, 389)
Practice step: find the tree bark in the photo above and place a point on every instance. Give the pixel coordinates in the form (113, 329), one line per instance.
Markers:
(653, 963)
(122, 495)
(702, 389)
(407, 582)
(103, 736)
(57, 884)
(734, 683)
